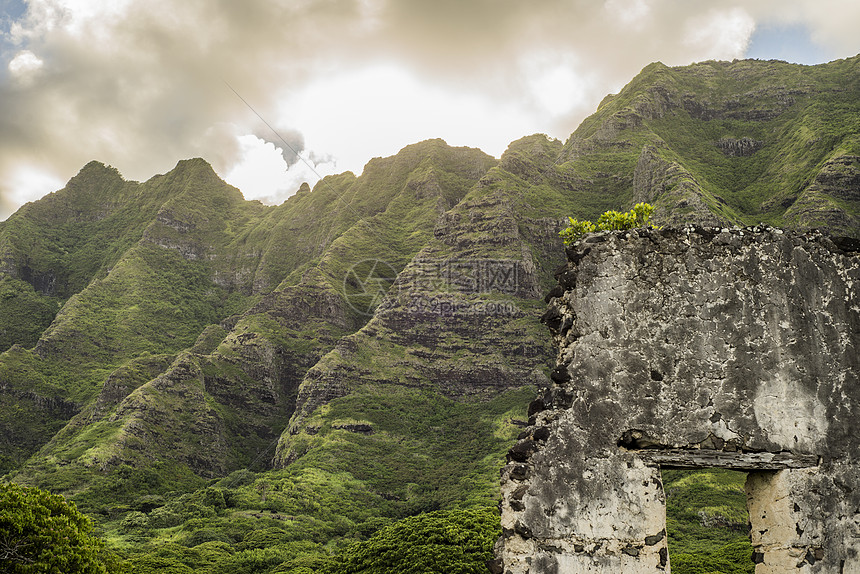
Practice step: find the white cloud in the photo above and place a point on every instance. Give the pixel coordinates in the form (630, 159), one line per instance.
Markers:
(631, 13)
(25, 65)
(556, 82)
(26, 183)
(80, 18)
(261, 172)
(719, 34)
(377, 110)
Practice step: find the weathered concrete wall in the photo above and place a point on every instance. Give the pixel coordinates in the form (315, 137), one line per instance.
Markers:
(693, 347)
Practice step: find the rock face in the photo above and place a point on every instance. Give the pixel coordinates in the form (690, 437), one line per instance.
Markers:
(743, 147)
(252, 293)
(695, 347)
(655, 178)
(460, 320)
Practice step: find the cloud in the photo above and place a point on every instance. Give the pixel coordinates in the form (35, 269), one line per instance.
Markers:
(260, 173)
(832, 24)
(633, 13)
(25, 64)
(289, 141)
(725, 33)
(141, 84)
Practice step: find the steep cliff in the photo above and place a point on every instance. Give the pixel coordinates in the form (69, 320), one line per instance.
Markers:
(456, 333)
(218, 407)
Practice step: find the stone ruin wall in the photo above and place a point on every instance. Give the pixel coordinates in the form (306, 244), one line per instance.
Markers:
(684, 348)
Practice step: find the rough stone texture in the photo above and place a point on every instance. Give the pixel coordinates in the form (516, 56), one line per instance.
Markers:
(821, 204)
(733, 348)
(743, 147)
(840, 177)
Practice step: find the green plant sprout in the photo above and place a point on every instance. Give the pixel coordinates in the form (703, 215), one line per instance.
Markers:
(608, 221)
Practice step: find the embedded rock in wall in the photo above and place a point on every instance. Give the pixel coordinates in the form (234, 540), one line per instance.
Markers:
(695, 347)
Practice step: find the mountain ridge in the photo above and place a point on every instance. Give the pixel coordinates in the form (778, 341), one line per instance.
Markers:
(381, 332)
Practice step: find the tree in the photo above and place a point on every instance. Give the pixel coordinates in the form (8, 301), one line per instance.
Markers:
(42, 533)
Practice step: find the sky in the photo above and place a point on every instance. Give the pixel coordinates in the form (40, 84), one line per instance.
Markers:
(277, 92)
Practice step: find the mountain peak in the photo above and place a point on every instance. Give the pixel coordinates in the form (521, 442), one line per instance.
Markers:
(95, 171)
(196, 167)
(193, 163)
(191, 178)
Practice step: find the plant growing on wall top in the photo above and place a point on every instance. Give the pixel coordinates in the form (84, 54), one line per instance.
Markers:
(608, 221)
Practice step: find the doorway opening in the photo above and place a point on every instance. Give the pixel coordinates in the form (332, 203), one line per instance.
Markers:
(707, 521)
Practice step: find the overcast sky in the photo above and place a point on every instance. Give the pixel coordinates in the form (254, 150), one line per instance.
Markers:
(141, 84)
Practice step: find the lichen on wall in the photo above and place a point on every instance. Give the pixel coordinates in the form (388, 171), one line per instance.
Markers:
(693, 347)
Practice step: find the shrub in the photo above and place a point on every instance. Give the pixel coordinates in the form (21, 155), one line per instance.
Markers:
(205, 535)
(264, 538)
(165, 517)
(441, 542)
(609, 221)
(134, 520)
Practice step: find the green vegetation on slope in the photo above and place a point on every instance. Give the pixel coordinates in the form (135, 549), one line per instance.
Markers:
(60, 243)
(407, 452)
(742, 141)
(707, 522)
(155, 298)
(134, 454)
(204, 255)
(452, 542)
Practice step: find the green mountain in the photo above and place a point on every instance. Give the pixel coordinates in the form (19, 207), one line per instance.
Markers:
(232, 386)
(731, 143)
